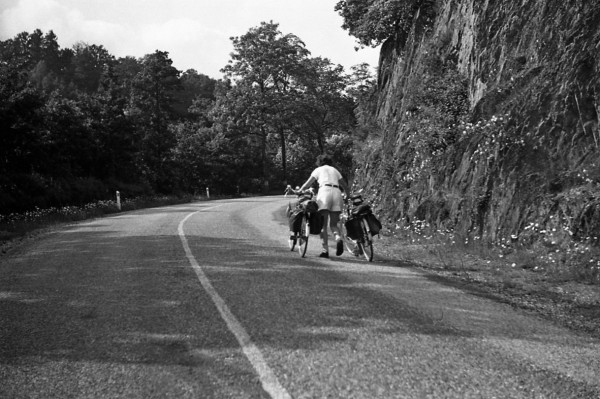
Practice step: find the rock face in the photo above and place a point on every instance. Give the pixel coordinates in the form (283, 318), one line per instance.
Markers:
(489, 121)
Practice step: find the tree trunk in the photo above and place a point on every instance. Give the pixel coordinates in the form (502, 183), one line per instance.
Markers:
(265, 167)
(283, 155)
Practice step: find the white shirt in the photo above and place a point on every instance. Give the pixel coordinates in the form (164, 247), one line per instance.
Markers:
(326, 175)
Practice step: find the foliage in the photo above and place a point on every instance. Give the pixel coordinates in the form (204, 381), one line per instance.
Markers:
(78, 124)
(281, 100)
(196, 89)
(374, 21)
(434, 109)
(545, 250)
(489, 130)
(151, 103)
(73, 115)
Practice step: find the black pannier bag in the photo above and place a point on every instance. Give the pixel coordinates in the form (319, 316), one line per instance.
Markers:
(311, 206)
(374, 223)
(295, 219)
(315, 219)
(353, 228)
(296, 212)
(361, 210)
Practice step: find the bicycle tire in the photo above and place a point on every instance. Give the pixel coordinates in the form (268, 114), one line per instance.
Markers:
(366, 243)
(303, 236)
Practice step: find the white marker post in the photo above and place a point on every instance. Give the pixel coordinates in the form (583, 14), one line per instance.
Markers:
(207, 193)
(118, 200)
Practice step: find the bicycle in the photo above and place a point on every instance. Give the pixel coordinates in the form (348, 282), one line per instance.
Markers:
(357, 229)
(300, 225)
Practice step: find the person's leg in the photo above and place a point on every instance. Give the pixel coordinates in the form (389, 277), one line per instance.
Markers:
(334, 221)
(324, 233)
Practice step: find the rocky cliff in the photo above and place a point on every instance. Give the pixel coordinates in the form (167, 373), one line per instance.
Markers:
(489, 122)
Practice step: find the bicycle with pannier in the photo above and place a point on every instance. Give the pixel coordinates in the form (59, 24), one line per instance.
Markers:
(359, 226)
(304, 219)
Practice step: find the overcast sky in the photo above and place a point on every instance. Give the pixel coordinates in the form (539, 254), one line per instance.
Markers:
(196, 33)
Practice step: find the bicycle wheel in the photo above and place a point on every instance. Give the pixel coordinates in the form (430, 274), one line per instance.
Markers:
(366, 243)
(303, 236)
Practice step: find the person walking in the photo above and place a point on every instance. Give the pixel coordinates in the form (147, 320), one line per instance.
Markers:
(330, 200)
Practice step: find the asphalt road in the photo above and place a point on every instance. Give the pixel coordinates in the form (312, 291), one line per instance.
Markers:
(205, 300)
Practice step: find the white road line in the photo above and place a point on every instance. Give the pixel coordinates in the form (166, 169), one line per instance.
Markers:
(267, 378)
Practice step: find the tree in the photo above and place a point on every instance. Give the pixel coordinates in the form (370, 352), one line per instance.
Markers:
(280, 96)
(195, 87)
(73, 121)
(374, 21)
(153, 90)
(323, 109)
(88, 64)
(239, 116)
(362, 88)
(20, 118)
(155, 86)
(264, 66)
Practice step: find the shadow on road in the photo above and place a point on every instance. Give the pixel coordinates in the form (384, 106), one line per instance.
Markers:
(136, 300)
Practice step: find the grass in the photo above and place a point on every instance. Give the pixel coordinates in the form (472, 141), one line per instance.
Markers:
(552, 255)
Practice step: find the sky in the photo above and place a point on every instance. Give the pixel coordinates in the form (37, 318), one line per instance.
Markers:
(195, 33)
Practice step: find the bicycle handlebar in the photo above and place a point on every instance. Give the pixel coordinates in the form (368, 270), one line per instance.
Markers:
(297, 191)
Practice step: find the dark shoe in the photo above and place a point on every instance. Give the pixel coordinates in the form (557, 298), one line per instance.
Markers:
(339, 248)
(292, 242)
(324, 255)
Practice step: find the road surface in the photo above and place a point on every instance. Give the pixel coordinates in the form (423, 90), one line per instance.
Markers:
(204, 300)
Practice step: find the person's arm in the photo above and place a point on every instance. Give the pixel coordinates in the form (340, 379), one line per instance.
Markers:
(344, 186)
(308, 183)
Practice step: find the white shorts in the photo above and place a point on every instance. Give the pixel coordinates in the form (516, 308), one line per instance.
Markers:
(330, 198)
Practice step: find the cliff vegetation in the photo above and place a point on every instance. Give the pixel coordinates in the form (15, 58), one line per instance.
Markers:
(484, 126)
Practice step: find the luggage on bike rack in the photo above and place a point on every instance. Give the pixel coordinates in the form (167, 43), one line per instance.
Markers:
(362, 210)
(374, 224)
(309, 206)
(315, 219)
(353, 228)
(295, 219)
